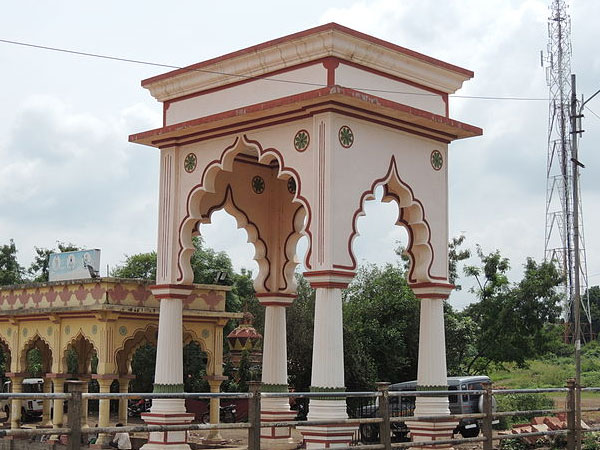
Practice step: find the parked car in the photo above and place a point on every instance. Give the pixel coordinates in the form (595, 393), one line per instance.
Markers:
(29, 408)
(404, 407)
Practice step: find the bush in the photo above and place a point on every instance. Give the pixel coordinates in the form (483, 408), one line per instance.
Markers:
(521, 402)
(591, 441)
(514, 444)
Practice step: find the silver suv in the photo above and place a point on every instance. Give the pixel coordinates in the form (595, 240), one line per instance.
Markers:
(404, 407)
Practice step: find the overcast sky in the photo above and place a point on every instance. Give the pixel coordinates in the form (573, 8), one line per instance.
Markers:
(68, 173)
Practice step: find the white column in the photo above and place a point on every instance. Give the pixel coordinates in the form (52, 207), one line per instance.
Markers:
(328, 361)
(274, 373)
(169, 370)
(432, 371)
(328, 354)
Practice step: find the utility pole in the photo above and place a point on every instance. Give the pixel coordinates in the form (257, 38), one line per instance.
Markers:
(576, 291)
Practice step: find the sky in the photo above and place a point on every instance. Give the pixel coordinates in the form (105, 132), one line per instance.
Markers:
(68, 173)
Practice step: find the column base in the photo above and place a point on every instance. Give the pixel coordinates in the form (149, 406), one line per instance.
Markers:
(328, 436)
(172, 440)
(431, 431)
(277, 437)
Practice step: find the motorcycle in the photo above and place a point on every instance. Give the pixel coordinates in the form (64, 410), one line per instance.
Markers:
(137, 407)
(226, 415)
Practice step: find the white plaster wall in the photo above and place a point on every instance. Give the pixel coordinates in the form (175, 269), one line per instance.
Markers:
(352, 77)
(246, 94)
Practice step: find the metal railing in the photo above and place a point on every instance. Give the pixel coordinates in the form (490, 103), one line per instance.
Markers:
(75, 431)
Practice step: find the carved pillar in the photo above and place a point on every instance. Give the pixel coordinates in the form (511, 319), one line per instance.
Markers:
(214, 436)
(84, 402)
(432, 371)
(58, 384)
(104, 381)
(16, 381)
(124, 389)
(328, 360)
(46, 419)
(169, 369)
(274, 370)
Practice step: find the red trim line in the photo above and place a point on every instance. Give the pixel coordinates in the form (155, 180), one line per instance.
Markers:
(442, 296)
(172, 296)
(171, 286)
(274, 294)
(328, 284)
(317, 273)
(322, 28)
(306, 96)
(429, 284)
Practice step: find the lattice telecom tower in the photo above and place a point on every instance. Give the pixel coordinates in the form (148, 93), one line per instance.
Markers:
(560, 235)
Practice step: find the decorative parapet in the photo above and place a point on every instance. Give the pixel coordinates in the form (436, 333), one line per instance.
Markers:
(92, 293)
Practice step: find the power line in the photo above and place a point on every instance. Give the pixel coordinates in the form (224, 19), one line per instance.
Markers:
(250, 77)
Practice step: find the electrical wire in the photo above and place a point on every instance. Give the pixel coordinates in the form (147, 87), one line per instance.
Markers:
(588, 108)
(250, 77)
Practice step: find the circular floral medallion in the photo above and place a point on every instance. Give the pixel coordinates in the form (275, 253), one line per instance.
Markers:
(258, 184)
(291, 185)
(122, 331)
(25, 331)
(437, 160)
(301, 140)
(189, 164)
(94, 329)
(346, 136)
(205, 333)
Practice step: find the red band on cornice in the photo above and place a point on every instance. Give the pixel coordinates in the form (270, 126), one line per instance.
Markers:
(275, 295)
(428, 284)
(318, 273)
(328, 284)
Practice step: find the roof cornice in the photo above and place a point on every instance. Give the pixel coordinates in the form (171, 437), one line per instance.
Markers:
(299, 48)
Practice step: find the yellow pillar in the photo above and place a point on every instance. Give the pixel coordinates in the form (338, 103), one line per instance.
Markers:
(123, 389)
(46, 419)
(84, 405)
(215, 386)
(15, 407)
(59, 388)
(104, 410)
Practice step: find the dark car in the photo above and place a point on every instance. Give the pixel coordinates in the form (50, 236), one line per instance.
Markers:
(401, 406)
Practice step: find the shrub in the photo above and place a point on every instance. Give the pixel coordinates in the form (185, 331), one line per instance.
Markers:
(521, 402)
(591, 441)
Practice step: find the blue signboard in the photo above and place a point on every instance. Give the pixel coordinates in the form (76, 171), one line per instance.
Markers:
(74, 265)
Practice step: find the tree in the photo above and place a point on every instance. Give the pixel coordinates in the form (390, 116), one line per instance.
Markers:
(455, 255)
(381, 319)
(38, 269)
(512, 319)
(300, 325)
(140, 266)
(10, 270)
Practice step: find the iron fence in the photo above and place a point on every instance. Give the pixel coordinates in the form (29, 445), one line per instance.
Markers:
(390, 415)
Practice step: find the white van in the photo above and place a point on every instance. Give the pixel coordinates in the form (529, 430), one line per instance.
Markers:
(29, 408)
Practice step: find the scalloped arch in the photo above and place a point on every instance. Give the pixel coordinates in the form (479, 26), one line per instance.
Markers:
(46, 349)
(207, 185)
(190, 336)
(411, 215)
(141, 336)
(89, 350)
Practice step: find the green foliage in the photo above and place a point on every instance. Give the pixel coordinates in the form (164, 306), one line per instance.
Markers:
(38, 269)
(194, 369)
(514, 444)
(10, 270)
(461, 336)
(142, 365)
(140, 266)
(34, 363)
(591, 441)
(300, 325)
(72, 361)
(521, 402)
(381, 318)
(455, 255)
(512, 318)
